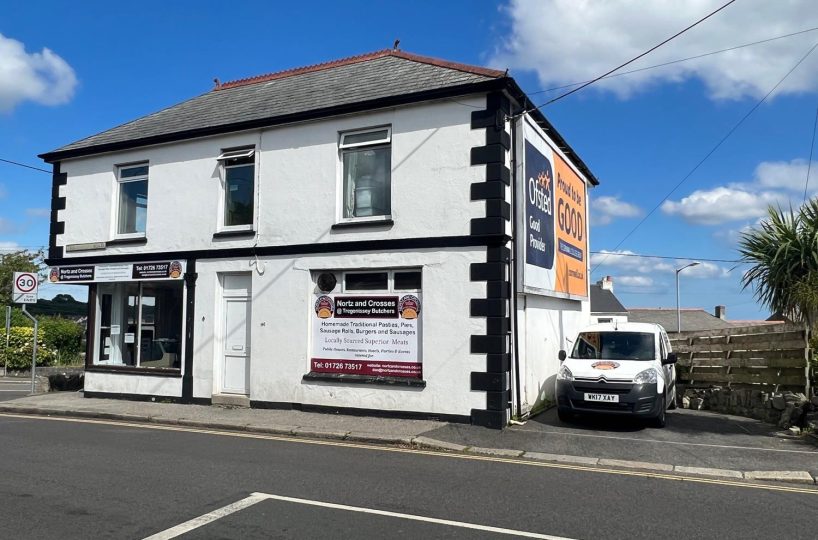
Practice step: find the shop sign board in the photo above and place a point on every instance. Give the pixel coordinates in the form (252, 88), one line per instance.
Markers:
(553, 217)
(101, 273)
(377, 335)
(24, 288)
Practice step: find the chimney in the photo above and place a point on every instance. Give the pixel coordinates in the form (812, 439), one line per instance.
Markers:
(606, 283)
(721, 312)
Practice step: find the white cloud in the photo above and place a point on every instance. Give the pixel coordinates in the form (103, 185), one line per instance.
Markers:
(722, 204)
(780, 183)
(790, 175)
(627, 261)
(567, 41)
(634, 281)
(606, 209)
(41, 77)
(6, 247)
(38, 212)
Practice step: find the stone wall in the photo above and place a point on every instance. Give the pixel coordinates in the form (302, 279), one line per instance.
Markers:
(785, 409)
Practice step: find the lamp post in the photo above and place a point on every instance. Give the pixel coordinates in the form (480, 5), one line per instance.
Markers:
(678, 309)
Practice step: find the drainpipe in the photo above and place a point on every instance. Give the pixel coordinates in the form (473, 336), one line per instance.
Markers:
(513, 277)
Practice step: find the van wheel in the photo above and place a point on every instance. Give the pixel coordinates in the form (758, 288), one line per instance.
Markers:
(564, 415)
(660, 420)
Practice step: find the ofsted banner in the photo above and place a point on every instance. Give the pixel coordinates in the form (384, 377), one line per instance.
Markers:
(553, 195)
(375, 335)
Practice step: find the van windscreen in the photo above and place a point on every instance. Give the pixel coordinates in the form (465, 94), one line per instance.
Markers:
(614, 346)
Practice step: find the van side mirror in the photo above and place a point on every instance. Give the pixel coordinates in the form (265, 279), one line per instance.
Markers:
(671, 359)
(562, 356)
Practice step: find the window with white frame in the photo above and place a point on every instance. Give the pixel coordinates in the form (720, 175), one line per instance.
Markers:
(239, 187)
(132, 209)
(366, 162)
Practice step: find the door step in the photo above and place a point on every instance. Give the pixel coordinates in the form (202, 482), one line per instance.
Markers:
(230, 400)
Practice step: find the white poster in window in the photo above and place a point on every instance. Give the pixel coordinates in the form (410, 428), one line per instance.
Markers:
(377, 335)
(129, 337)
(114, 329)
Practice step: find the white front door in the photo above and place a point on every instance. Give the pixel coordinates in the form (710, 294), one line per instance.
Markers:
(235, 354)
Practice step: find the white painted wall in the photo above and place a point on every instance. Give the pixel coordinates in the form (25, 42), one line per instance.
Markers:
(133, 384)
(298, 169)
(280, 336)
(546, 325)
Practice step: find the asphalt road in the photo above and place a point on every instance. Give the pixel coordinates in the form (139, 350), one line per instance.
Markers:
(13, 388)
(75, 479)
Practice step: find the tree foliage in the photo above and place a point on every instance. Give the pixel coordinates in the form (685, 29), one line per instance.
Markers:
(783, 253)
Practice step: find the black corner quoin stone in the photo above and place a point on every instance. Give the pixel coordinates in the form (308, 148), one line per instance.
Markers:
(495, 306)
(57, 203)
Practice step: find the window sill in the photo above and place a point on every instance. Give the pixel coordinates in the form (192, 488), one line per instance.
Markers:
(374, 223)
(234, 234)
(138, 240)
(363, 379)
(133, 370)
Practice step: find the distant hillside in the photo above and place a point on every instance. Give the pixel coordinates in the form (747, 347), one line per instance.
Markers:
(63, 305)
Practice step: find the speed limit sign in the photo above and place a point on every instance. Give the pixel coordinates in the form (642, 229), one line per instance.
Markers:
(24, 288)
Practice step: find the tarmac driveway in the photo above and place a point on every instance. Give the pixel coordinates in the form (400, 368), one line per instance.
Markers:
(691, 438)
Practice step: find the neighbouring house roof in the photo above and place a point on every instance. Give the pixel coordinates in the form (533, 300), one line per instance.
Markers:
(692, 319)
(604, 301)
(374, 80)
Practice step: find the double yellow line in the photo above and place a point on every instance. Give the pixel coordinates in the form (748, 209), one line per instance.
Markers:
(434, 453)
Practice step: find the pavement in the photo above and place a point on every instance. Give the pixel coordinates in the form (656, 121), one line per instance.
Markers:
(694, 443)
(13, 388)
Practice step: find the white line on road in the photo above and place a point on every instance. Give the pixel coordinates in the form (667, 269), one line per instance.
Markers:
(257, 497)
(219, 513)
(813, 452)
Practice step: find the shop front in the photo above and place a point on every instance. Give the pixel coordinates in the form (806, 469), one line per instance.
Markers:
(135, 315)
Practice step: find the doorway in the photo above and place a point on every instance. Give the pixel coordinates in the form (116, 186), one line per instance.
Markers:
(234, 351)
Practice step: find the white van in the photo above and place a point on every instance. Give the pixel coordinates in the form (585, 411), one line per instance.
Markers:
(618, 368)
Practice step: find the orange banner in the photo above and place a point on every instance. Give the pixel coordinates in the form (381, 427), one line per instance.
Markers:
(571, 218)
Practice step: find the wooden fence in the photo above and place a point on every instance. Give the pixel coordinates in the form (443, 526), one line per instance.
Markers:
(770, 357)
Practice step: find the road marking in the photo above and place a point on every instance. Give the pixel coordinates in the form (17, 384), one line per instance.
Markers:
(731, 447)
(258, 497)
(435, 453)
(210, 517)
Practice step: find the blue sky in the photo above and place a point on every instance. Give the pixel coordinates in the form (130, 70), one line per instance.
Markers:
(640, 133)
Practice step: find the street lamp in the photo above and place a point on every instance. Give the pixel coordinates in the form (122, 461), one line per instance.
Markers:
(678, 309)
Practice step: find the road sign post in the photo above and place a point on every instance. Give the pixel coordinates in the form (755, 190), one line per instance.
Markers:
(8, 335)
(24, 291)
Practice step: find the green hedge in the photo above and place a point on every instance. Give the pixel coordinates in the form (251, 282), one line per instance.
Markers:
(18, 354)
(62, 335)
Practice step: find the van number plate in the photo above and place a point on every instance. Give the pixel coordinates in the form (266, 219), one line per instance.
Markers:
(607, 398)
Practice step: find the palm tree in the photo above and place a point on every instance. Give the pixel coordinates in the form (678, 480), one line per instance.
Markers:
(783, 254)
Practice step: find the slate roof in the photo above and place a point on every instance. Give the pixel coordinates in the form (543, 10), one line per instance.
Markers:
(379, 79)
(692, 319)
(356, 79)
(604, 301)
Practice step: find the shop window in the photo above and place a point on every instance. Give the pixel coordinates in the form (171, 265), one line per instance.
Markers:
(407, 280)
(139, 324)
(132, 209)
(239, 187)
(366, 160)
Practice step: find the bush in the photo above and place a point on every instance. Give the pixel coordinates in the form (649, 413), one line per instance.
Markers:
(18, 354)
(63, 335)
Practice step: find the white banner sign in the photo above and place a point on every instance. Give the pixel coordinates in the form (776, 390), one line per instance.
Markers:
(376, 335)
(96, 273)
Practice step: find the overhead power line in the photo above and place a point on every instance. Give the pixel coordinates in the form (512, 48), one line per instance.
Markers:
(642, 256)
(678, 61)
(811, 148)
(712, 150)
(634, 59)
(24, 165)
